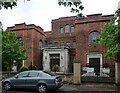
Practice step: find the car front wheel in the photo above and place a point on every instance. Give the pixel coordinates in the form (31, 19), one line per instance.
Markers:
(42, 88)
(7, 86)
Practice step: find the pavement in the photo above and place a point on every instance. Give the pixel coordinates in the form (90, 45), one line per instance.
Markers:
(83, 88)
(92, 87)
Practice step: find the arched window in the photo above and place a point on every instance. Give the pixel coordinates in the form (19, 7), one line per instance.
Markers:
(18, 39)
(40, 44)
(93, 36)
(67, 29)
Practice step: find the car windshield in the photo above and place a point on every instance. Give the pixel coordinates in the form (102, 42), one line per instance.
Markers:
(49, 73)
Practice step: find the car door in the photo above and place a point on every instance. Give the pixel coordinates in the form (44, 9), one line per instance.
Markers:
(20, 80)
(32, 80)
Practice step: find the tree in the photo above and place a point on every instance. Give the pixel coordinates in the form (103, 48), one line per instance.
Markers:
(110, 37)
(76, 5)
(12, 53)
(7, 3)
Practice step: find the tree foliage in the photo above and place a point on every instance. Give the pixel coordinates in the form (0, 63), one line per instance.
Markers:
(7, 4)
(110, 37)
(76, 5)
(12, 53)
(24, 68)
(32, 67)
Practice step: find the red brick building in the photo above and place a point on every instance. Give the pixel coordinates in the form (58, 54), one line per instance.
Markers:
(33, 38)
(87, 29)
(80, 34)
(71, 38)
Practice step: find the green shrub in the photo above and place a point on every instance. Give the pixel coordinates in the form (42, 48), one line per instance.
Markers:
(56, 68)
(24, 68)
(32, 67)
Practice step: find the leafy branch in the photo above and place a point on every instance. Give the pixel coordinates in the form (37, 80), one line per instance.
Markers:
(76, 5)
(110, 37)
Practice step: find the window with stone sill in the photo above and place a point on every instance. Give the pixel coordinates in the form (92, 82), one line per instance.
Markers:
(93, 36)
(56, 43)
(67, 29)
(74, 44)
(40, 44)
(72, 29)
(61, 30)
(18, 39)
(50, 44)
(68, 44)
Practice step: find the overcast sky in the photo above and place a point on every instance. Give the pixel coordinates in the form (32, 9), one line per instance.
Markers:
(41, 12)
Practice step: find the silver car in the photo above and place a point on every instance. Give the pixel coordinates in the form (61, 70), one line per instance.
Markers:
(40, 80)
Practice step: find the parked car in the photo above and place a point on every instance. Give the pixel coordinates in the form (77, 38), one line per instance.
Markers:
(40, 80)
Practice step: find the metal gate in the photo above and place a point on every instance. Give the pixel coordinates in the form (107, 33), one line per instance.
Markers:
(94, 72)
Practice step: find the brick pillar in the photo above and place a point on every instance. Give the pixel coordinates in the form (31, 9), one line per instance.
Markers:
(77, 73)
(117, 73)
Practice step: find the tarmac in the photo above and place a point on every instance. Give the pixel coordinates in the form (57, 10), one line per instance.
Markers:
(92, 87)
(83, 88)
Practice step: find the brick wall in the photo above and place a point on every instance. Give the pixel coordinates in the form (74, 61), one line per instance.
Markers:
(83, 27)
(31, 35)
(55, 35)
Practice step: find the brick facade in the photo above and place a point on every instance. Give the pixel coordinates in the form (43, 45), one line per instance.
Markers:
(82, 27)
(85, 26)
(31, 36)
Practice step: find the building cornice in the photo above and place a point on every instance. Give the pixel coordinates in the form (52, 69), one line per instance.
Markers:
(93, 20)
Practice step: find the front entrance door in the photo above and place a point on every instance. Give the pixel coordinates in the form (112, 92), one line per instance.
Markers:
(95, 63)
(54, 60)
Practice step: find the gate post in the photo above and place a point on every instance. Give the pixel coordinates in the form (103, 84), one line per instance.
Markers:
(77, 73)
(117, 73)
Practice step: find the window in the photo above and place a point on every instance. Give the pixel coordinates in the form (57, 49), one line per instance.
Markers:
(33, 74)
(93, 36)
(23, 74)
(49, 73)
(68, 44)
(61, 30)
(18, 40)
(50, 44)
(54, 56)
(39, 74)
(40, 44)
(74, 44)
(72, 29)
(56, 43)
(67, 29)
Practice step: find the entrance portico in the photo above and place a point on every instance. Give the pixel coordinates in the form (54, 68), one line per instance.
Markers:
(56, 56)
